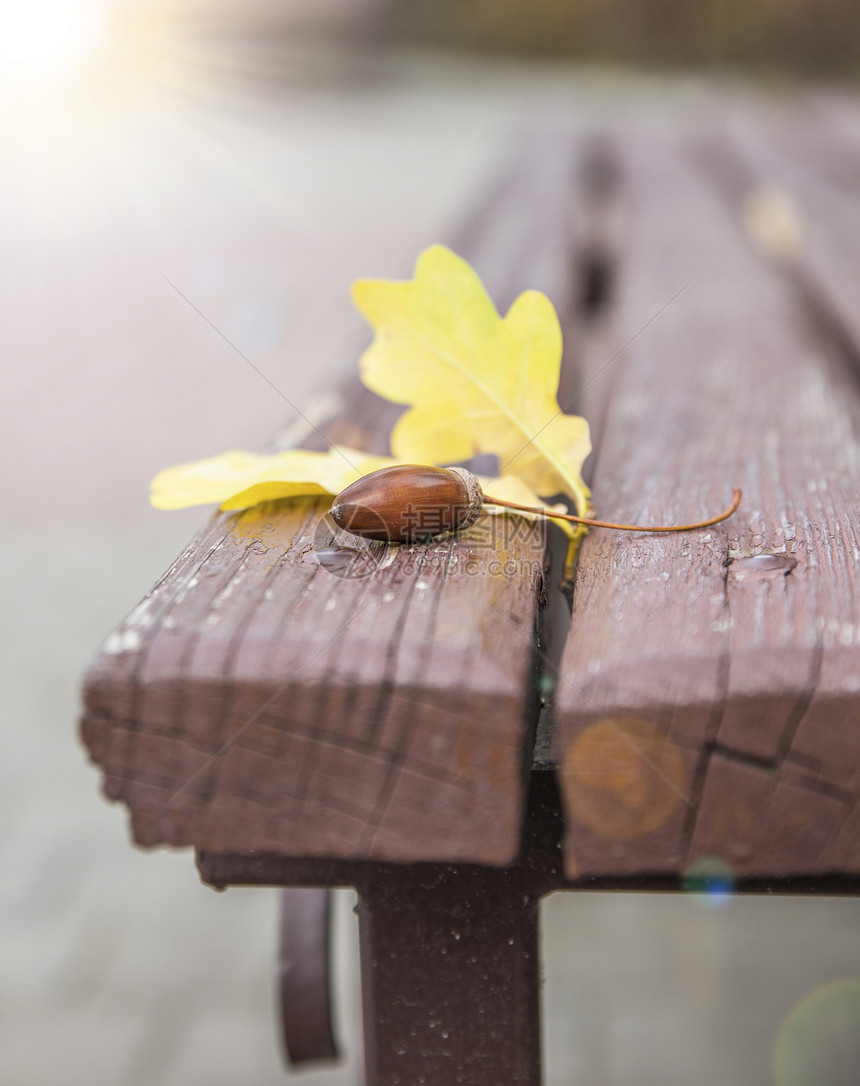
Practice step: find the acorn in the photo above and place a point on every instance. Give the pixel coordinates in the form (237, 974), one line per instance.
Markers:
(410, 502)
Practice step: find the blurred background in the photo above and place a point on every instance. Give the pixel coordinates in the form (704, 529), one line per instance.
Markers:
(181, 178)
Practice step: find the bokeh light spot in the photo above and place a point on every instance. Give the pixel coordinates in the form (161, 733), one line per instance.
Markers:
(710, 881)
(623, 778)
(819, 1042)
(773, 222)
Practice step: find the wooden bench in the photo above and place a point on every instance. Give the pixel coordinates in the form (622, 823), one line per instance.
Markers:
(431, 725)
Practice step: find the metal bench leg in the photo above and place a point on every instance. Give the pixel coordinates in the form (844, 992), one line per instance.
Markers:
(303, 962)
(450, 977)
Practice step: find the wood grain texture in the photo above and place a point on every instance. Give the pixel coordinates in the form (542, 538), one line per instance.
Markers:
(538, 867)
(278, 691)
(709, 694)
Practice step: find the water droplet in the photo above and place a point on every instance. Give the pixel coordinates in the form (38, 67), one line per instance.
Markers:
(762, 566)
(346, 562)
(122, 641)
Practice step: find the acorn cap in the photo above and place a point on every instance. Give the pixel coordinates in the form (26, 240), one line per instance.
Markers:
(475, 497)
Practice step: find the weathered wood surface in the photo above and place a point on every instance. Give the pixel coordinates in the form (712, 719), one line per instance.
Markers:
(706, 702)
(708, 696)
(267, 695)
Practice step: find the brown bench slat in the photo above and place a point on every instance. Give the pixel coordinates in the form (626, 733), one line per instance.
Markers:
(255, 701)
(811, 155)
(709, 694)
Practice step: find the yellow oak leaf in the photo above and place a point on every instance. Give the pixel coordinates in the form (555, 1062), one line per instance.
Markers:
(238, 479)
(476, 382)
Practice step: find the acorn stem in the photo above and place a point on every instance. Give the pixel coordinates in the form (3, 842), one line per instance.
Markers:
(736, 501)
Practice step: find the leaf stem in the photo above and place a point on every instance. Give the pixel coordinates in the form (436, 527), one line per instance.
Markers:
(736, 501)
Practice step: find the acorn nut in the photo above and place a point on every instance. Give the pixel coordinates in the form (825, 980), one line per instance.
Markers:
(408, 502)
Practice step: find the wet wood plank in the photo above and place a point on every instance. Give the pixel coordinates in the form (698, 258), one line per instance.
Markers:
(708, 695)
(260, 699)
(257, 700)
